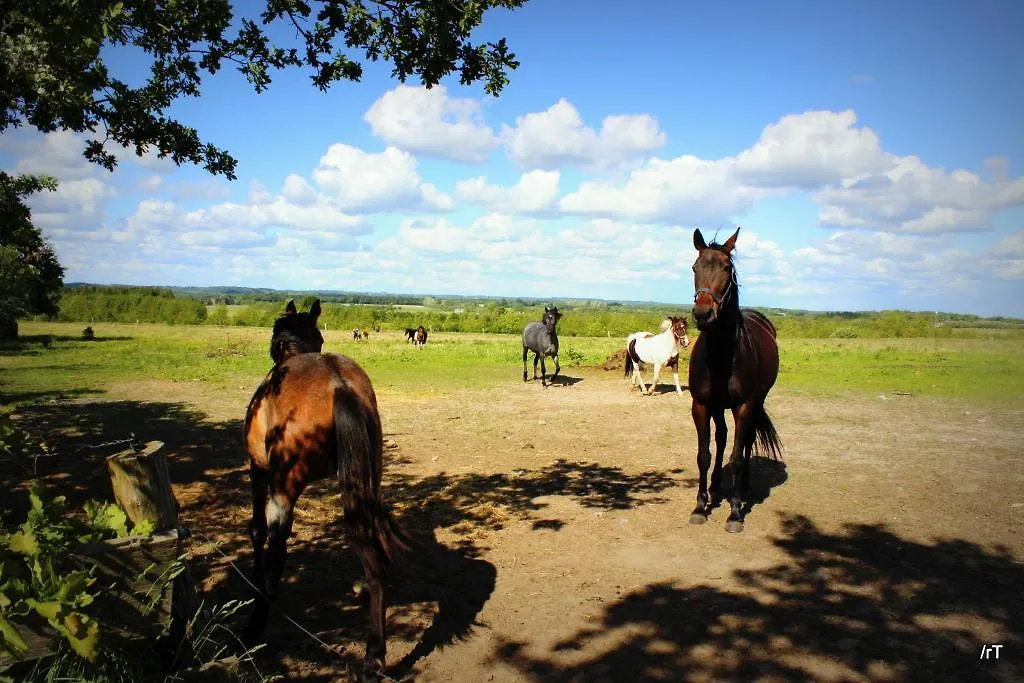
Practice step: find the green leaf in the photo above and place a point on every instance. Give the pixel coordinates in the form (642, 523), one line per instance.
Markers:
(24, 542)
(11, 638)
(144, 528)
(50, 609)
(85, 645)
(73, 585)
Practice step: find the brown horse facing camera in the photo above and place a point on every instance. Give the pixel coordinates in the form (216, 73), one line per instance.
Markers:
(315, 415)
(733, 366)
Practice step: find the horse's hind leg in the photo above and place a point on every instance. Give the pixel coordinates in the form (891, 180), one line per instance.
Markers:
(366, 522)
(526, 352)
(374, 561)
(536, 358)
(721, 437)
(739, 465)
(639, 379)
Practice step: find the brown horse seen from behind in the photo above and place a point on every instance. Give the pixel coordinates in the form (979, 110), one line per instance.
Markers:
(315, 415)
(733, 366)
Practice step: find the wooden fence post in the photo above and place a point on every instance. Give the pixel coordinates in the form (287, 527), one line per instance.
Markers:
(142, 486)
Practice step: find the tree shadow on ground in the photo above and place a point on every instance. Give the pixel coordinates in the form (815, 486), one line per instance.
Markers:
(75, 432)
(36, 344)
(861, 604)
(436, 591)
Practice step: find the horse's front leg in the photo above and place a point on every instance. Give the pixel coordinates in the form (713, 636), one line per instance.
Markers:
(557, 368)
(536, 359)
(702, 421)
(258, 535)
(739, 465)
(543, 371)
(278, 515)
(654, 380)
(674, 364)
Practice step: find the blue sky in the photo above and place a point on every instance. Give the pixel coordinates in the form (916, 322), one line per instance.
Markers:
(868, 150)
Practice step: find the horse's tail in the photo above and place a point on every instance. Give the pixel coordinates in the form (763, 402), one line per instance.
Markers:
(360, 462)
(766, 440)
(630, 350)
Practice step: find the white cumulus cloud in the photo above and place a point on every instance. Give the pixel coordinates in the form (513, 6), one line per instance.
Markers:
(364, 182)
(558, 137)
(535, 191)
(428, 121)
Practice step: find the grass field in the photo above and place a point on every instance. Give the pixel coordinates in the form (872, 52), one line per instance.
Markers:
(54, 360)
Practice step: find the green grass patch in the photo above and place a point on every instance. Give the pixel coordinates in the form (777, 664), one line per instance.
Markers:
(52, 359)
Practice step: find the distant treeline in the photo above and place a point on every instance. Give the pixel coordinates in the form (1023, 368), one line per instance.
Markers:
(502, 316)
(95, 304)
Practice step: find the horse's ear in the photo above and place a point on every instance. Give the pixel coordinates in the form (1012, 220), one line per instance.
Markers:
(698, 240)
(314, 310)
(730, 243)
(290, 308)
(547, 310)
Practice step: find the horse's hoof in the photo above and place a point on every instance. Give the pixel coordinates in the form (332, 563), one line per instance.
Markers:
(698, 518)
(372, 671)
(734, 526)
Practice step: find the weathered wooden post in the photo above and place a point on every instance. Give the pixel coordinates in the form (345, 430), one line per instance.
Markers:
(142, 486)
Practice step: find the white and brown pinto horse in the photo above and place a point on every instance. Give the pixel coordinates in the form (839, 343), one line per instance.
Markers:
(657, 349)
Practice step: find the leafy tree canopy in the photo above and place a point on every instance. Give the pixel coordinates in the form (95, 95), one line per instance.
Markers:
(53, 75)
(30, 275)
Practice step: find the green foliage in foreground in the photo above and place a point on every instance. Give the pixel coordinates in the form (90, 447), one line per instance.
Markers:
(36, 576)
(234, 359)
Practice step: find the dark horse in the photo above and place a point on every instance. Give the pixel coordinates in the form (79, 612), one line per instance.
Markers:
(410, 334)
(315, 415)
(540, 337)
(733, 365)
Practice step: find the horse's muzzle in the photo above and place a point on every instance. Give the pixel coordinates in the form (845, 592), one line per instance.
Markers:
(704, 315)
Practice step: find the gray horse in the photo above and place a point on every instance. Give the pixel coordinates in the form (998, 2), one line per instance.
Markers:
(542, 340)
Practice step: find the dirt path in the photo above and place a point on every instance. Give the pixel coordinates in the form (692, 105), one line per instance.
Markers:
(888, 547)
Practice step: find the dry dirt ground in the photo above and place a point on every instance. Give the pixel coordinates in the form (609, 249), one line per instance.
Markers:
(554, 522)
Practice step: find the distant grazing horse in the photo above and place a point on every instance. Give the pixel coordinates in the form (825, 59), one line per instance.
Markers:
(357, 334)
(410, 335)
(315, 415)
(420, 337)
(541, 338)
(733, 365)
(366, 335)
(658, 350)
